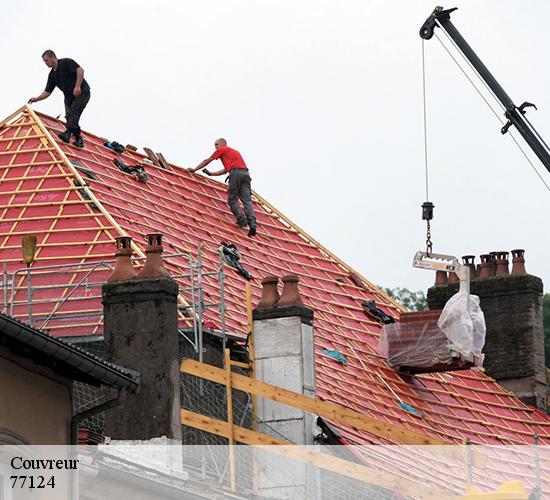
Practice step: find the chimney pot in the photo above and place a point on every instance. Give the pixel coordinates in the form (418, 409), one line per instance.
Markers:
(501, 263)
(486, 265)
(518, 261)
(270, 295)
(452, 277)
(153, 267)
(440, 277)
(469, 260)
(123, 268)
(291, 294)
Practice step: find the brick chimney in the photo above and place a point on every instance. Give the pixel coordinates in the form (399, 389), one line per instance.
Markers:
(514, 344)
(141, 332)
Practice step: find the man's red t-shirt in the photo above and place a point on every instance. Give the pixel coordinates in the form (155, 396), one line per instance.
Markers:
(230, 158)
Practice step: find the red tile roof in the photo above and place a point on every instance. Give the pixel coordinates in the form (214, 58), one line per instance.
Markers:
(41, 192)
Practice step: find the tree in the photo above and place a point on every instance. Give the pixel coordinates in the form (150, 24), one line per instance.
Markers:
(546, 323)
(413, 301)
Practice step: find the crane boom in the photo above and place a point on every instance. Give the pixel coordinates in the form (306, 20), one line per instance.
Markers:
(515, 115)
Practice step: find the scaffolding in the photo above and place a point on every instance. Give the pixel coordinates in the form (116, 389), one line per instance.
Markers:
(65, 299)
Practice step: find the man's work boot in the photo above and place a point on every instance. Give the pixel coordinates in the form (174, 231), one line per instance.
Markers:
(79, 142)
(252, 231)
(65, 136)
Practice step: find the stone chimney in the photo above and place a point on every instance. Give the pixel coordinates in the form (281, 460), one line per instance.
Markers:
(141, 332)
(512, 305)
(284, 356)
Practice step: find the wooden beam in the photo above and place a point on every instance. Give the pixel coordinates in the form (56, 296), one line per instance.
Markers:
(21, 110)
(23, 151)
(322, 460)
(321, 408)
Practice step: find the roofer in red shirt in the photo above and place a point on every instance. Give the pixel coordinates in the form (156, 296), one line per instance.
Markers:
(239, 183)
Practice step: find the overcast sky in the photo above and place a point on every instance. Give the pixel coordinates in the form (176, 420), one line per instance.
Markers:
(324, 101)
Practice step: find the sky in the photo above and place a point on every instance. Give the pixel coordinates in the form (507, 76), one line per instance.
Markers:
(324, 101)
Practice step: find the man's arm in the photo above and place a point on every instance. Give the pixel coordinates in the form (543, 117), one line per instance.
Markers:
(201, 165)
(41, 97)
(79, 77)
(218, 172)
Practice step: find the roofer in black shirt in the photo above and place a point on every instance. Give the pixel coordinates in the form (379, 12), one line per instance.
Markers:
(69, 77)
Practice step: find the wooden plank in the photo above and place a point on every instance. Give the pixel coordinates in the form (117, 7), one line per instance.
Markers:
(163, 163)
(239, 364)
(152, 156)
(322, 460)
(321, 408)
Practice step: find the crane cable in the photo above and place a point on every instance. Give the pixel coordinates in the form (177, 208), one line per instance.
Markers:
(427, 206)
(481, 95)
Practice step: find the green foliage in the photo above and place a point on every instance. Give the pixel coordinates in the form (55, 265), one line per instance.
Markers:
(413, 301)
(546, 322)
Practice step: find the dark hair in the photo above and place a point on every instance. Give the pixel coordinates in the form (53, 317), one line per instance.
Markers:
(49, 53)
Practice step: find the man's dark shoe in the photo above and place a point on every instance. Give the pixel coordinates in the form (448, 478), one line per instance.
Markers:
(65, 136)
(241, 224)
(79, 142)
(252, 231)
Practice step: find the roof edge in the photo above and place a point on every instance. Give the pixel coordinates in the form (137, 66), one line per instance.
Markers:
(106, 373)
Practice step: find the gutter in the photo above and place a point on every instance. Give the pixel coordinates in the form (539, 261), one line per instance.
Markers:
(106, 373)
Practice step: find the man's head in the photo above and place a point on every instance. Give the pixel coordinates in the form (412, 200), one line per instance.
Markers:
(49, 58)
(219, 143)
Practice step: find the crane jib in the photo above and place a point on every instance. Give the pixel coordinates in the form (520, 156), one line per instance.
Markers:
(515, 115)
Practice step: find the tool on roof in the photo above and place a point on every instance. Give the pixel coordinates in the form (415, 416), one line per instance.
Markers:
(137, 170)
(370, 307)
(402, 404)
(115, 146)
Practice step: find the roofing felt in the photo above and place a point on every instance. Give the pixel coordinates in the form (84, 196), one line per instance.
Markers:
(45, 190)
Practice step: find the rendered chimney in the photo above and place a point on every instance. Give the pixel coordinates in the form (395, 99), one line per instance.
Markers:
(518, 262)
(270, 295)
(291, 293)
(141, 332)
(153, 267)
(123, 267)
(514, 344)
(284, 356)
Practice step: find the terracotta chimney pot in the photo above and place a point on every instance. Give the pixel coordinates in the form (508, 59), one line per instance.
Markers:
(502, 263)
(493, 262)
(468, 260)
(153, 267)
(123, 268)
(291, 294)
(270, 295)
(440, 277)
(452, 277)
(518, 262)
(486, 265)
